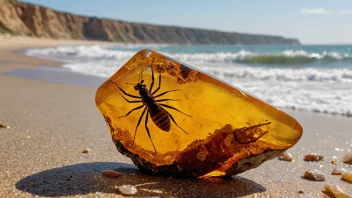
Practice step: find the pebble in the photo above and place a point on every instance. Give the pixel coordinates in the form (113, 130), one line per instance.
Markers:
(347, 176)
(314, 175)
(128, 190)
(286, 157)
(336, 191)
(4, 126)
(301, 192)
(348, 158)
(338, 171)
(85, 150)
(313, 157)
(111, 173)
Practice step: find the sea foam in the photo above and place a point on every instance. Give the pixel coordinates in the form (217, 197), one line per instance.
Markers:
(274, 77)
(242, 56)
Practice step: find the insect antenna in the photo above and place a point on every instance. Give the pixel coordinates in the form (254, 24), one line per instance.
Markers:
(141, 76)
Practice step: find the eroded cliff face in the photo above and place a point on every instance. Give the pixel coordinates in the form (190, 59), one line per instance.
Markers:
(28, 19)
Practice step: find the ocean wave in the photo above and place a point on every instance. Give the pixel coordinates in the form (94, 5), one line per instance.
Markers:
(299, 57)
(314, 97)
(315, 89)
(117, 52)
(87, 59)
(221, 57)
(80, 52)
(287, 57)
(327, 91)
(341, 75)
(94, 68)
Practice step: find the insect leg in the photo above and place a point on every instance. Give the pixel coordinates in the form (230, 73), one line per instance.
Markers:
(139, 121)
(173, 120)
(166, 92)
(146, 127)
(124, 92)
(129, 101)
(158, 86)
(162, 100)
(170, 107)
(151, 85)
(132, 111)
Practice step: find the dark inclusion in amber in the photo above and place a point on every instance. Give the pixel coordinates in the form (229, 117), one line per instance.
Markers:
(172, 119)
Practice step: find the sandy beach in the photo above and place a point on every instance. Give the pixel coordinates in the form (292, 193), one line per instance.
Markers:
(51, 123)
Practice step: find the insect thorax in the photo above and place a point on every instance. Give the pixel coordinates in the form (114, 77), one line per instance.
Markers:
(147, 97)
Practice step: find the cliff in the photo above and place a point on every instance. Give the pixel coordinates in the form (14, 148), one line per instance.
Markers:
(33, 20)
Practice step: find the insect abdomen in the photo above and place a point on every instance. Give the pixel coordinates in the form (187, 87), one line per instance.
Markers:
(160, 118)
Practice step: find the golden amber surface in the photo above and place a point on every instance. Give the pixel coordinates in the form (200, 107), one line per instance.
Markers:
(196, 123)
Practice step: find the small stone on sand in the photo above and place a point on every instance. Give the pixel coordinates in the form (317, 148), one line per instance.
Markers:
(348, 158)
(4, 126)
(338, 171)
(313, 157)
(128, 190)
(314, 175)
(286, 157)
(334, 161)
(111, 173)
(336, 191)
(347, 176)
(301, 192)
(85, 150)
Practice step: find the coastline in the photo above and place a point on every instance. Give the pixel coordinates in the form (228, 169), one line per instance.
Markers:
(11, 44)
(38, 68)
(51, 123)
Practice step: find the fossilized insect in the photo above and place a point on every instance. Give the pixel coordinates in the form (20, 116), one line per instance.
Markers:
(159, 115)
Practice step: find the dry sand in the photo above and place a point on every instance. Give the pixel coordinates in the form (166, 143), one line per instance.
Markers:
(52, 123)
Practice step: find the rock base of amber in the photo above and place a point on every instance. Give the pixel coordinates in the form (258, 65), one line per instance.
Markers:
(174, 170)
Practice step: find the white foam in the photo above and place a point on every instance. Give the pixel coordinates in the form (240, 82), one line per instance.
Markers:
(79, 52)
(314, 89)
(342, 75)
(99, 52)
(317, 96)
(221, 57)
(94, 68)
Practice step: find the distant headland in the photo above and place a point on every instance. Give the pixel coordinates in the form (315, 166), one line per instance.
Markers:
(21, 18)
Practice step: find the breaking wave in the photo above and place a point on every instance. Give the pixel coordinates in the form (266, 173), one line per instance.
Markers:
(341, 75)
(286, 57)
(312, 81)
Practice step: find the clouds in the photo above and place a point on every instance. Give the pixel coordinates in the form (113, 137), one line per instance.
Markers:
(316, 11)
(323, 11)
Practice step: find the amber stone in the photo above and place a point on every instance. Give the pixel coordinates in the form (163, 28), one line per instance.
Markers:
(198, 125)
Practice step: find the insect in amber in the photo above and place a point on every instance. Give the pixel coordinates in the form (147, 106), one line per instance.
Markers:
(229, 132)
(154, 108)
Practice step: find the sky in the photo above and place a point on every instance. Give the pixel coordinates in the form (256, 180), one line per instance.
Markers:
(311, 21)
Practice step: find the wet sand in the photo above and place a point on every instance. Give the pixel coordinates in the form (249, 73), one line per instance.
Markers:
(51, 123)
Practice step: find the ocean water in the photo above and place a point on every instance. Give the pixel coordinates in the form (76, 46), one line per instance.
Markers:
(306, 77)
